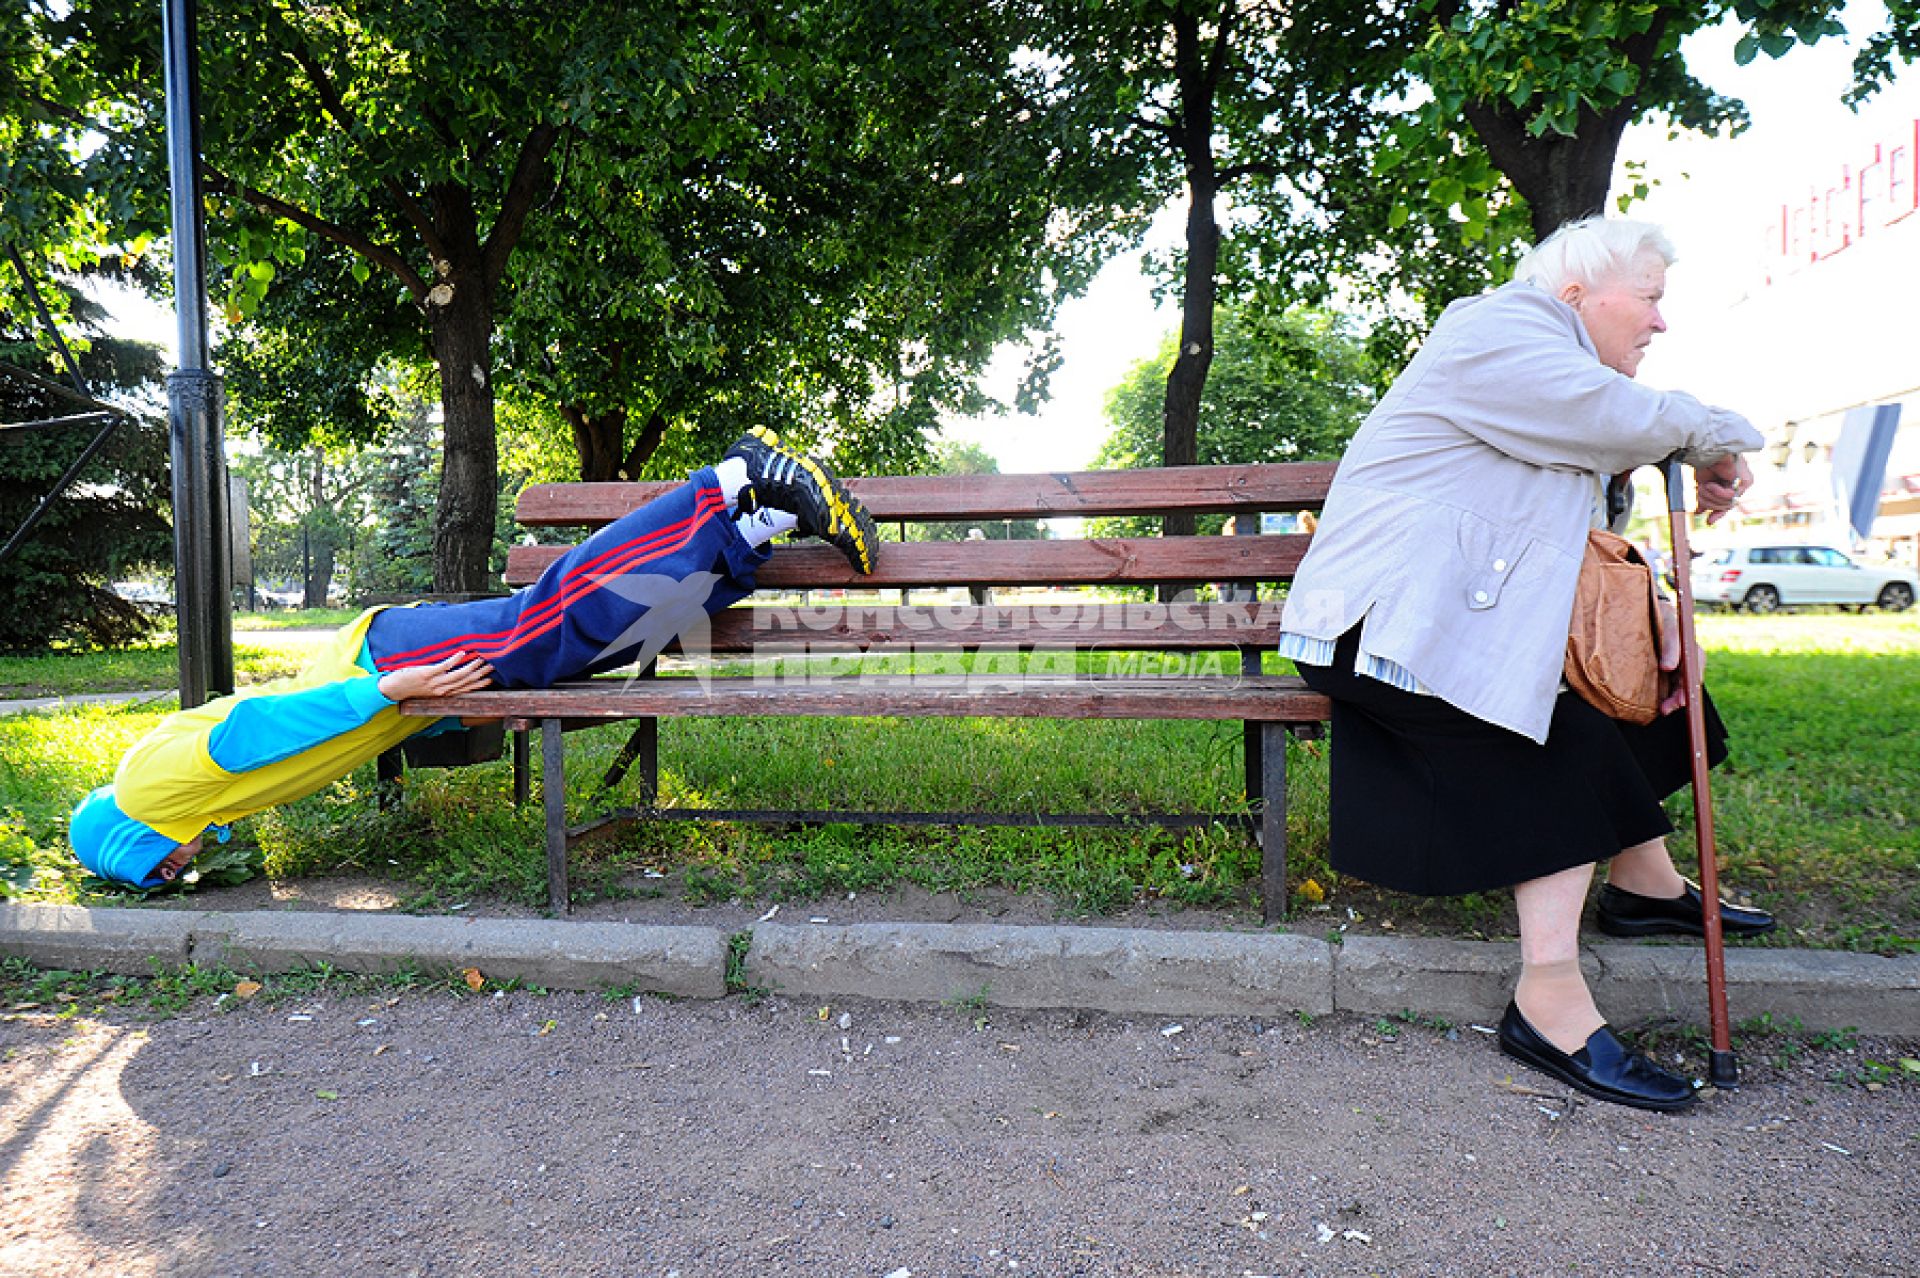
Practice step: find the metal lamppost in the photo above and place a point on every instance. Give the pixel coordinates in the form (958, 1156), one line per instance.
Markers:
(203, 583)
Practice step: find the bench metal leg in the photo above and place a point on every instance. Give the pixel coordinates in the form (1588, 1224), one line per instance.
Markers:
(553, 789)
(522, 767)
(1273, 821)
(1255, 756)
(643, 748)
(1250, 750)
(391, 769)
(650, 763)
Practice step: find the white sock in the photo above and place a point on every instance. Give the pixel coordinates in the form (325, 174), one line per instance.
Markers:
(732, 474)
(764, 524)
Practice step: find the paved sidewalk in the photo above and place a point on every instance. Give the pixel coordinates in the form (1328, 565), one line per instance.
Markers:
(415, 1132)
(82, 699)
(1121, 970)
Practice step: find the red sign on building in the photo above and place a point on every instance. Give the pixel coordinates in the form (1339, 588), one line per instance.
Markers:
(1882, 190)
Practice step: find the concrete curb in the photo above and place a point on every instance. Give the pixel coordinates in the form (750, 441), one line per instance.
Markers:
(1635, 983)
(1103, 969)
(687, 961)
(125, 942)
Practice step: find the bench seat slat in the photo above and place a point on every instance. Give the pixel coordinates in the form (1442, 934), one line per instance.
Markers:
(1094, 624)
(1265, 698)
(927, 498)
(1107, 561)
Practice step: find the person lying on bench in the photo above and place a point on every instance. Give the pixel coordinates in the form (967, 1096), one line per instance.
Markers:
(616, 599)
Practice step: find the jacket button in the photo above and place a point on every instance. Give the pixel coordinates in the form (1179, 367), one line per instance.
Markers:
(1479, 596)
(1499, 565)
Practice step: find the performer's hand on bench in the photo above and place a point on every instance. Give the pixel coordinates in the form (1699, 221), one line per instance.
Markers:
(457, 674)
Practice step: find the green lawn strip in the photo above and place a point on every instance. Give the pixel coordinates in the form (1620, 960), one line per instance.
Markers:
(295, 619)
(1817, 815)
(26, 990)
(61, 674)
(1817, 812)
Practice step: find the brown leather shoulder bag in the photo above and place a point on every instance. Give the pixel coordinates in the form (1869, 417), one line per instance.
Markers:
(1613, 644)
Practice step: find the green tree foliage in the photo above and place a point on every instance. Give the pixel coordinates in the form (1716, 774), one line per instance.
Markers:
(664, 214)
(308, 510)
(394, 557)
(1284, 388)
(77, 193)
(1502, 121)
(840, 269)
(1539, 93)
(312, 366)
(1900, 41)
(112, 523)
(1210, 100)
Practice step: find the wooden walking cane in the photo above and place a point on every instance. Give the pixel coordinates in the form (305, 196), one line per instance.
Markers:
(1722, 1069)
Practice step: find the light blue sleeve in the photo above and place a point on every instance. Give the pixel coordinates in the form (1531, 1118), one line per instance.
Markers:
(263, 730)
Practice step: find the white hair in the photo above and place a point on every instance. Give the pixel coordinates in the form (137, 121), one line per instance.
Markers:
(1590, 250)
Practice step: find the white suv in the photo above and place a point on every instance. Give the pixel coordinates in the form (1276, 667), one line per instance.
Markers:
(1768, 578)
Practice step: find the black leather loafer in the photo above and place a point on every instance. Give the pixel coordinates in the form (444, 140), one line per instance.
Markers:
(1605, 1069)
(1629, 914)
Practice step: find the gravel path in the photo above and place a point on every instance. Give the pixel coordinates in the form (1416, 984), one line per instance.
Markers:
(522, 1135)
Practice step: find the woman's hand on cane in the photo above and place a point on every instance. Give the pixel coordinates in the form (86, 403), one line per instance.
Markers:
(1719, 485)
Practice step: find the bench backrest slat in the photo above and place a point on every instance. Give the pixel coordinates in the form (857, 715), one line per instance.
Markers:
(923, 498)
(916, 564)
(826, 621)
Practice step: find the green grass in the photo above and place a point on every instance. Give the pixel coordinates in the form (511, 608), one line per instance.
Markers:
(295, 619)
(1818, 811)
(168, 991)
(1818, 814)
(157, 665)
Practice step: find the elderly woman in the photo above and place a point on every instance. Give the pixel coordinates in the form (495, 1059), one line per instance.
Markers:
(1433, 609)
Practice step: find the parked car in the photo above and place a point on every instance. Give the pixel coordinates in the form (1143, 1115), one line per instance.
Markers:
(1782, 575)
(150, 597)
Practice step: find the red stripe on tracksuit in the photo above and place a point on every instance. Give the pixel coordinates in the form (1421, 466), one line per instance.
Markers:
(581, 581)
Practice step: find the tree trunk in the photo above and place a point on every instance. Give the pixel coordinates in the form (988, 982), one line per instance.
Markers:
(643, 448)
(1188, 380)
(320, 564)
(460, 316)
(1562, 179)
(598, 442)
(320, 548)
(1193, 136)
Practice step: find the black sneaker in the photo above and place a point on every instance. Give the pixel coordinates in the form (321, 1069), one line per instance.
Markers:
(781, 478)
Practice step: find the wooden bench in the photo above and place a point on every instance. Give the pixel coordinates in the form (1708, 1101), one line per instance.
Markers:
(1269, 706)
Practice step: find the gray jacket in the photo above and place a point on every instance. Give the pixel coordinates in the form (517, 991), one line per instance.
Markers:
(1458, 516)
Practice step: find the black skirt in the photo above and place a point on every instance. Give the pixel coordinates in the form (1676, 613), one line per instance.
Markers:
(1430, 800)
